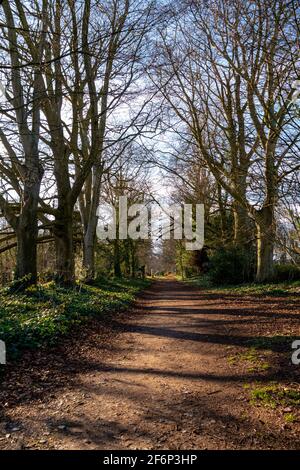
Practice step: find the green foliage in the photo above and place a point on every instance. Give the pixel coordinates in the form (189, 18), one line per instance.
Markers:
(251, 359)
(290, 418)
(203, 281)
(231, 265)
(273, 396)
(286, 272)
(41, 314)
(270, 289)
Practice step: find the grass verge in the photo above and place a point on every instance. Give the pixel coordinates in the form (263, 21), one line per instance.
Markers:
(271, 289)
(274, 395)
(42, 314)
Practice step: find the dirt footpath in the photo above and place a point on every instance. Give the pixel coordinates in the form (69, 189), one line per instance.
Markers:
(174, 373)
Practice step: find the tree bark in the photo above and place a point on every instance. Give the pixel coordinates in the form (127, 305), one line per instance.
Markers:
(133, 259)
(26, 253)
(63, 236)
(265, 244)
(242, 230)
(31, 171)
(92, 202)
(89, 251)
(117, 263)
(222, 212)
(27, 226)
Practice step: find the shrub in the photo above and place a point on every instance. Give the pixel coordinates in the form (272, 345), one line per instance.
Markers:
(231, 265)
(286, 272)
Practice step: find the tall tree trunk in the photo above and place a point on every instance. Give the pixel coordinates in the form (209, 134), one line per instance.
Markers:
(26, 253)
(89, 251)
(133, 259)
(127, 257)
(222, 212)
(27, 228)
(242, 229)
(92, 201)
(181, 263)
(265, 244)
(31, 171)
(63, 237)
(117, 262)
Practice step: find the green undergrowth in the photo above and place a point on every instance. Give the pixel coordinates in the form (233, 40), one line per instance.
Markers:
(271, 289)
(274, 396)
(251, 359)
(42, 314)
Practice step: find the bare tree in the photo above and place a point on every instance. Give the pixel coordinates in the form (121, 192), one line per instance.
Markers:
(225, 69)
(21, 112)
(83, 52)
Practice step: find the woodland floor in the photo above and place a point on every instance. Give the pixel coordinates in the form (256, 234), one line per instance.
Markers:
(184, 369)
